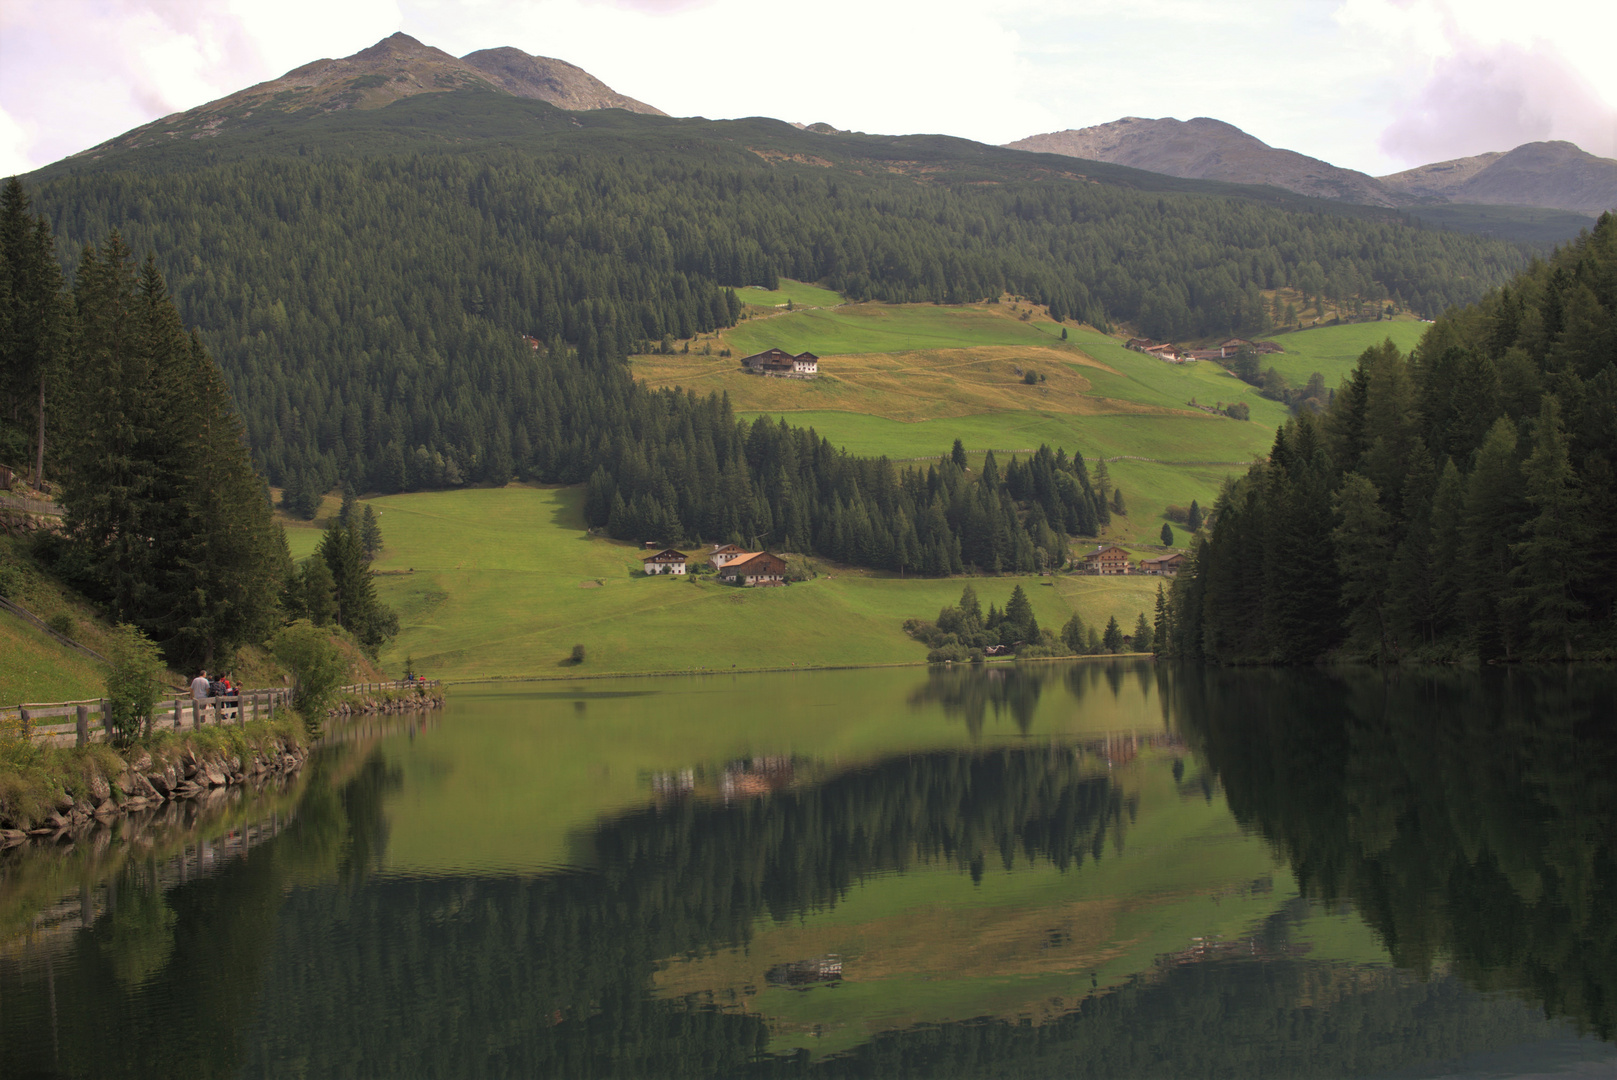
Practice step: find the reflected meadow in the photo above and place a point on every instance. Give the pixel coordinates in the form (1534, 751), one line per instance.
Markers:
(1090, 869)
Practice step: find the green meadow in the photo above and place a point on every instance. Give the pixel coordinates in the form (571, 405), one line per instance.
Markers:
(501, 583)
(1334, 350)
(797, 293)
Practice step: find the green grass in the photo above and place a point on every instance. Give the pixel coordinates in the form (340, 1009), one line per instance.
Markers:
(501, 583)
(39, 669)
(882, 328)
(799, 293)
(1334, 350)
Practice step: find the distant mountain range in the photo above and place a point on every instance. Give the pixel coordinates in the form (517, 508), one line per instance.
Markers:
(394, 68)
(1548, 175)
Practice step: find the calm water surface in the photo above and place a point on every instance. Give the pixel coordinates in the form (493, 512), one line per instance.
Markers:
(1092, 869)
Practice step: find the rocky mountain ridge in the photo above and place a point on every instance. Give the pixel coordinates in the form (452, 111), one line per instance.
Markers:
(394, 68)
(1549, 175)
(1557, 175)
(1208, 149)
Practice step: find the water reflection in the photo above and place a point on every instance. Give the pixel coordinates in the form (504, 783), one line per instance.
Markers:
(1468, 819)
(1471, 818)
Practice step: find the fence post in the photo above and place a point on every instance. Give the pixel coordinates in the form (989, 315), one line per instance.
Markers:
(177, 714)
(106, 718)
(26, 722)
(84, 725)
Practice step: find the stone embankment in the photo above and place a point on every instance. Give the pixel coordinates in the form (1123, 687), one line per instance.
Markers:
(146, 784)
(364, 705)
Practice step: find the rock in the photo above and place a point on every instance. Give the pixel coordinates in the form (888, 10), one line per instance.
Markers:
(134, 804)
(142, 762)
(12, 837)
(100, 790)
(64, 802)
(107, 809)
(56, 820)
(191, 768)
(127, 782)
(159, 782)
(80, 817)
(235, 763)
(42, 832)
(83, 806)
(215, 778)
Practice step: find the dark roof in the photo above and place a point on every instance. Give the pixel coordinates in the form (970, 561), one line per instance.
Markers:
(666, 555)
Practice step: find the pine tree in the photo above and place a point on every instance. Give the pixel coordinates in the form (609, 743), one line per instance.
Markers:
(958, 455)
(1492, 516)
(1194, 521)
(1552, 559)
(33, 322)
(1163, 630)
(1112, 640)
(1167, 535)
(1143, 641)
(1361, 543)
(1074, 636)
(370, 532)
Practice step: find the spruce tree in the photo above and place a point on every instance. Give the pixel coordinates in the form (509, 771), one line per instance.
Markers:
(1167, 535)
(1492, 517)
(1162, 631)
(1362, 544)
(1552, 560)
(1143, 641)
(33, 324)
(1112, 640)
(1194, 521)
(1074, 636)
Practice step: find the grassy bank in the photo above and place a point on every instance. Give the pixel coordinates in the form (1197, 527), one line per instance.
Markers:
(35, 777)
(502, 583)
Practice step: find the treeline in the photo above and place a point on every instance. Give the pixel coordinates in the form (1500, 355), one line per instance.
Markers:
(1455, 503)
(685, 469)
(368, 311)
(166, 523)
(963, 633)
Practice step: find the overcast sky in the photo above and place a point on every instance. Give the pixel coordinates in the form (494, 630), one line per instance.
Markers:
(1377, 85)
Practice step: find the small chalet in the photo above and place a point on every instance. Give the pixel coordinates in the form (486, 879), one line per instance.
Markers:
(782, 364)
(667, 561)
(1140, 344)
(531, 341)
(1108, 560)
(755, 568)
(1164, 565)
(723, 553)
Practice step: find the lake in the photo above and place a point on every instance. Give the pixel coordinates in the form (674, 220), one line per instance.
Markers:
(1102, 868)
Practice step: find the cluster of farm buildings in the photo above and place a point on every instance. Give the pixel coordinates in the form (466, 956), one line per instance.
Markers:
(782, 364)
(1173, 354)
(753, 568)
(1109, 559)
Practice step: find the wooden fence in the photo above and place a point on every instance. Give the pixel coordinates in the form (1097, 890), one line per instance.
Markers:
(169, 714)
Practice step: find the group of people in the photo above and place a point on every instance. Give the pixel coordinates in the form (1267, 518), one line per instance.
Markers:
(203, 688)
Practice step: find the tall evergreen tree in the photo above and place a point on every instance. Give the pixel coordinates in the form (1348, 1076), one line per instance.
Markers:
(1552, 559)
(34, 322)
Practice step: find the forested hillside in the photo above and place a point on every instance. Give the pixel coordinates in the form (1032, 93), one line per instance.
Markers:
(365, 278)
(1457, 502)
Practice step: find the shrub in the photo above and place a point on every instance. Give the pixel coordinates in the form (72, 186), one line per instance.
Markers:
(1030, 376)
(316, 666)
(62, 623)
(134, 682)
(578, 654)
(10, 582)
(953, 652)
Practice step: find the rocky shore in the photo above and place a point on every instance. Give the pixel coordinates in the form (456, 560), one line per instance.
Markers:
(146, 784)
(402, 703)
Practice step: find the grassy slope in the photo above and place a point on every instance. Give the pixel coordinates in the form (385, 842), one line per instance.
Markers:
(907, 380)
(38, 669)
(1333, 350)
(502, 583)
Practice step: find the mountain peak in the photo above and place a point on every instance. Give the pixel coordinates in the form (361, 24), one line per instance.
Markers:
(398, 66)
(1205, 148)
(1558, 175)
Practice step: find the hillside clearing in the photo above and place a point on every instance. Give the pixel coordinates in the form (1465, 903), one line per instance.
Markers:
(487, 585)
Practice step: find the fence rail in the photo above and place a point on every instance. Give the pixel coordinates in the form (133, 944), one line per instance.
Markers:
(172, 714)
(43, 507)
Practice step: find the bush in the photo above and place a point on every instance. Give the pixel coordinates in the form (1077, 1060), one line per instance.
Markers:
(133, 684)
(62, 623)
(955, 652)
(317, 669)
(578, 654)
(10, 582)
(1030, 376)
